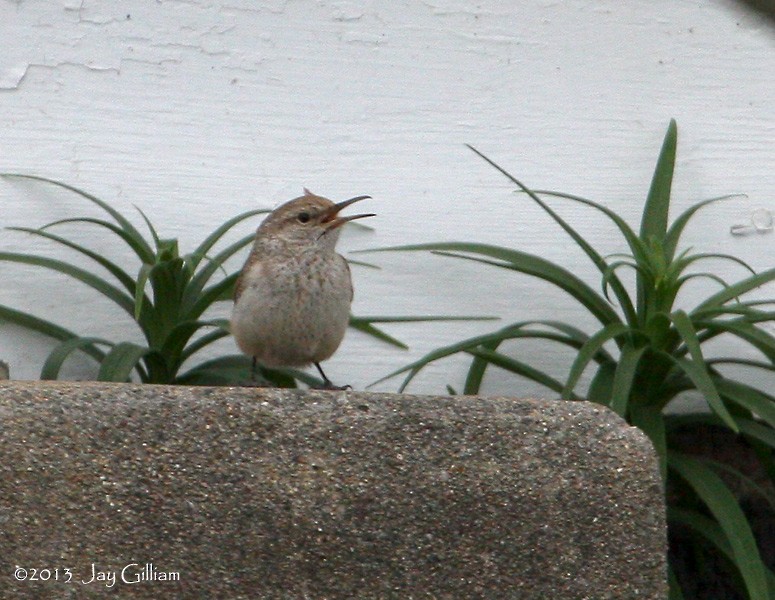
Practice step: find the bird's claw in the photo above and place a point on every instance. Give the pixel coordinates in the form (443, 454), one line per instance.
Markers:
(328, 385)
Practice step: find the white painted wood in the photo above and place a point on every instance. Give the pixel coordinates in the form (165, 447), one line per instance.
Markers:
(198, 110)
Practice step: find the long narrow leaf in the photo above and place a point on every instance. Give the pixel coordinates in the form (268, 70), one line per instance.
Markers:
(673, 234)
(588, 351)
(119, 363)
(710, 531)
(702, 382)
(745, 309)
(607, 280)
(366, 327)
(139, 247)
(366, 324)
(221, 332)
(361, 263)
(655, 213)
(648, 418)
(111, 267)
(635, 244)
(167, 281)
(712, 276)
(515, 331)
(517, 367)
(193, 292)
(179, 337)
(235, 369)
(151, 228)
(747, 483)
(225, 370)
(479, 365)
(696, 369)
(681, 263)
(525, 263)
(117, 216)
(47, 328)
(629, 234)
(756, 401)
(755, 364)
(62, 352)
(733, 291)
(761, 433)
(624, 378)
(476, 371)
(744, 330)
(141, 298)
(218, 292)
(593, 255)
(231, 361)
(223, 229)
(727, 513)
(421, 318)
(538, 267)
(97, 283)
(754, 431)
(653, 227)
(601, 387)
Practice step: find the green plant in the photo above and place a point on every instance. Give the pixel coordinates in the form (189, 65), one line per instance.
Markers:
(645, 353)
(167, 299)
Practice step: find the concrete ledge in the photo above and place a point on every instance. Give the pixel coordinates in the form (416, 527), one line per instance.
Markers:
(257, 493)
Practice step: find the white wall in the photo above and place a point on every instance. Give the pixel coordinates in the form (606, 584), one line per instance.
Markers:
(197, 110)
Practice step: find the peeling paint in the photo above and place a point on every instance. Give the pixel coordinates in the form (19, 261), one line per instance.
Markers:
(11, 77)
(358, 37)
(346, 12)
(222, 105)
(277, 7)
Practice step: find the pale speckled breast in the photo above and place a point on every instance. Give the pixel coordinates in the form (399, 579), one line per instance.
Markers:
(293, 312)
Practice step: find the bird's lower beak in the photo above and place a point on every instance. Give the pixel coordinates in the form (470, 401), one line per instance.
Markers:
(331, 219)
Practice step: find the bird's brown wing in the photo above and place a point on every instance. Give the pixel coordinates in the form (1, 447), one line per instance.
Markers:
(239, 285)
(349, 275)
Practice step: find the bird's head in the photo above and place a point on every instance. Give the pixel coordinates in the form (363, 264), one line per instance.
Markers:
(307, 221)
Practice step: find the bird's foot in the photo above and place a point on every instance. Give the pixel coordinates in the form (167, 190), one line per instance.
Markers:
(329, 385)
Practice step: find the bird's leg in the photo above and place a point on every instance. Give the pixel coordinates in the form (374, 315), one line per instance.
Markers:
(255, 379)
(327, 383)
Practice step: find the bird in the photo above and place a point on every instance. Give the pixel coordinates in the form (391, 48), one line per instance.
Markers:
(292, 297)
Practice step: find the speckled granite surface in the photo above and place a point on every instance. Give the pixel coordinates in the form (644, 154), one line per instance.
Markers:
(172, 492)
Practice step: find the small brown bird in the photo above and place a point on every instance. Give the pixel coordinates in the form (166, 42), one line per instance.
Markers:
(292, 299)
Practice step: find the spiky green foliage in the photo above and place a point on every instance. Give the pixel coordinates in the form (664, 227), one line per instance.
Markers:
(166, 294)
(647, 351)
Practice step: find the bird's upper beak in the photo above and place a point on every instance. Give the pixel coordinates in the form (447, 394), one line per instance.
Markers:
(330, 217)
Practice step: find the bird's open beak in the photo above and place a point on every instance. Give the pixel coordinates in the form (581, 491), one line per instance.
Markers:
(331, 219)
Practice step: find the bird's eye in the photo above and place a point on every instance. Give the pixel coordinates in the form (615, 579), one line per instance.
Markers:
(303, 217)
